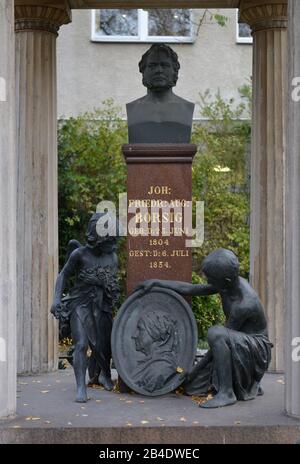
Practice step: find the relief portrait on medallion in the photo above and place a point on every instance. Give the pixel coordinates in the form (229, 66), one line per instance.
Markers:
(157, 338)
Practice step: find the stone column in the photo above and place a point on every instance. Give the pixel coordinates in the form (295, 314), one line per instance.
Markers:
(268, 20)
(292, 218)
(36, 31)
(8, 172)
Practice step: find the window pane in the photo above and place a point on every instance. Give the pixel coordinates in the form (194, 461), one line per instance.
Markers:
(171, 22)
(122, 22)
(244, 30)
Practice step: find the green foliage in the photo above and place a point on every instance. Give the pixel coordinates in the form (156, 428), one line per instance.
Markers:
(210, 17)
(207, 309)
(91, 168)
(220, 19)
(221, 177)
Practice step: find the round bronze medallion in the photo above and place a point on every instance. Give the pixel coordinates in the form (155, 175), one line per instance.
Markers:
(154, 341)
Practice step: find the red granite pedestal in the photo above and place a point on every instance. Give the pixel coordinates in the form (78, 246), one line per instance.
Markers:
(159, 185)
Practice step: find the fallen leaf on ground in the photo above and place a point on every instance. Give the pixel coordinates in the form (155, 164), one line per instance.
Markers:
(183, 419)
(179, 370)
(237, 422)
(22, 383)
(141, 401)
(159, 419)
(15, 426)
(281, 381)
(25, 404)
(129, 401)
(44, 391)
(129, 424)
(200, 399)
(116, 388)
(98, 401)
(47, 422)
(69, 423)
(196, 422)
(82, 407)
(84, 415)
(179, 391)
(30, 418)
(144, 422)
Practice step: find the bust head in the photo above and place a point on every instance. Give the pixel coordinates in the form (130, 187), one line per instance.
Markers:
(160, 116)
(159, 66)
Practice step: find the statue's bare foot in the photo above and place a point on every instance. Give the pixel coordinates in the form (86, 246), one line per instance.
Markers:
(81, 396)
(220, 400)
(106, 382)
(260, 391)
(93, 381)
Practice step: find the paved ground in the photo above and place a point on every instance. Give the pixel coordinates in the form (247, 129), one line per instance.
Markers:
(47, 412)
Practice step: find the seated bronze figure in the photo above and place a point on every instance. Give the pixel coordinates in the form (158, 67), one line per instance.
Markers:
(240, 351)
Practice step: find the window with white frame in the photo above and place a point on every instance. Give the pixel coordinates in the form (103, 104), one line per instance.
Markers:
(129, 25)
(243, 31)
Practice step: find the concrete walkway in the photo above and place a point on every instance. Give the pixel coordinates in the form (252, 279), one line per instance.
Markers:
(47, 413)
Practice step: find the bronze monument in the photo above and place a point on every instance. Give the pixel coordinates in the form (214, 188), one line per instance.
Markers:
(160, 116)
(88, 306)
(240, 351)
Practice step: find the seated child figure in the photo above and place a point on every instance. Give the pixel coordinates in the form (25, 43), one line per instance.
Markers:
(240, 351)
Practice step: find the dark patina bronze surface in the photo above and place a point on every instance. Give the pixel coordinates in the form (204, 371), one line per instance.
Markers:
(154, 341)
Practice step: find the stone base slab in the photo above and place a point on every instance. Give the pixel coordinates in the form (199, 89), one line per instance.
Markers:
(47, 413)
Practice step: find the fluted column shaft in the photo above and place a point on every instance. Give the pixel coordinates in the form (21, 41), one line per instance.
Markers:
(292, 223)
(8, 249)
(36, 32)
(268, 19)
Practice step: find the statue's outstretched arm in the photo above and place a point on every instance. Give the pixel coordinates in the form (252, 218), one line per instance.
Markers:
(184, 288)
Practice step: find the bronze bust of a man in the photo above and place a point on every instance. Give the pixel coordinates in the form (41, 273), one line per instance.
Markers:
(160, 116)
